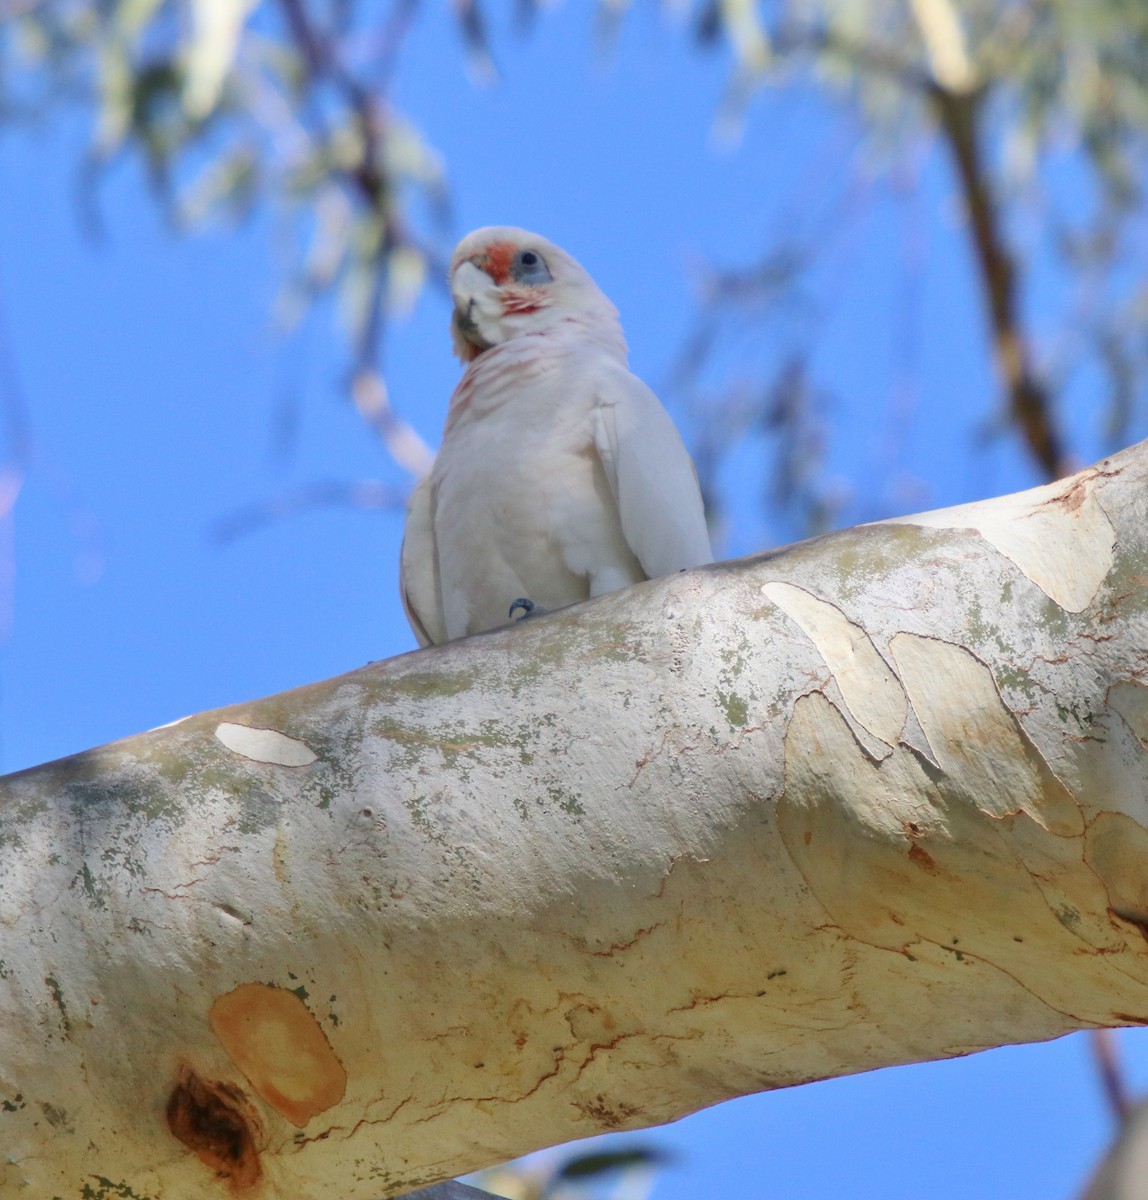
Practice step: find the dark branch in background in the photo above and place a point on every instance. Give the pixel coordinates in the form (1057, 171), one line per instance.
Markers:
(365, 495)
(1111, 1074)
(369, 181)
(959, 118)
(323, 64)
(959, 114)
(471, 21)
(783, 405)
(391, 42)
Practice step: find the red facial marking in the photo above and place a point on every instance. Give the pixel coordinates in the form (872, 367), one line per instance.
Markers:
(497, 259)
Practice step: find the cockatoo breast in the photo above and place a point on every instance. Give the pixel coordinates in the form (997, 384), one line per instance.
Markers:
(522, 505)
(561, 477)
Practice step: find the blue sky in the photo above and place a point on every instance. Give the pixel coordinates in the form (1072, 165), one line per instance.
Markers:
(152, 375)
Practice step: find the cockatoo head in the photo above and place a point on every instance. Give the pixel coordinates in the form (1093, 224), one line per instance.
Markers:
(508, 283)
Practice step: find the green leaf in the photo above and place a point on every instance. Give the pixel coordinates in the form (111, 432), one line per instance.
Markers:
(587, 1166)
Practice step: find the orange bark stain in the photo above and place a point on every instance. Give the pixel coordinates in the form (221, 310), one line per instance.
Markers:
(275, 1040)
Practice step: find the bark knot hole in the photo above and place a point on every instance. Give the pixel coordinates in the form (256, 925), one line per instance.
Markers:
(216, 1122)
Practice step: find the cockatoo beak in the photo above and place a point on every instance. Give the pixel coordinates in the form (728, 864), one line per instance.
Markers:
(468, 341)
(473, 291)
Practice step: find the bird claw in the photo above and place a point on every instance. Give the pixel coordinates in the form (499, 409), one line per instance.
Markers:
(528, 607)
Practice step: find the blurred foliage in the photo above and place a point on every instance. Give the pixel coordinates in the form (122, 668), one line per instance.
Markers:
(611, 1170)
(230, 103)
(1013, 89)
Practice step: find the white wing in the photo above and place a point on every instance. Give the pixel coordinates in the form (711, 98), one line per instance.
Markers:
(651, 475)
(418, 568)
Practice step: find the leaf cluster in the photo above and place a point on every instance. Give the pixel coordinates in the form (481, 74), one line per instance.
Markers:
(229, 103)
(1013, 91)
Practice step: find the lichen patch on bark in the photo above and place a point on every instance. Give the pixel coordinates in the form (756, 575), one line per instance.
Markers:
(274, 1039)
(1130, 699)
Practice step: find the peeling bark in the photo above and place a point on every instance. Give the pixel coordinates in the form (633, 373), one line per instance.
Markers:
(878, 798)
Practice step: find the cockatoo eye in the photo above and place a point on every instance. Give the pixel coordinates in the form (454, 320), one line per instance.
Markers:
(529, 267)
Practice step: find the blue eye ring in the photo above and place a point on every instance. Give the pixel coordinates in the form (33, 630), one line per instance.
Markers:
(530, 267)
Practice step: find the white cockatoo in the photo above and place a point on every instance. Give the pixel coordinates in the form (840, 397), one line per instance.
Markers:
(560, 476)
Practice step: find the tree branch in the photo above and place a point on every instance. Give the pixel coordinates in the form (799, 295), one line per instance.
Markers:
(368, 180)
(1111, 1073)
(958, 105)
(958, 113)
(876, 799)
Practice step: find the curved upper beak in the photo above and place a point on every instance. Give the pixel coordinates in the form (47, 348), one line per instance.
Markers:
(470, 278)
(470, 285)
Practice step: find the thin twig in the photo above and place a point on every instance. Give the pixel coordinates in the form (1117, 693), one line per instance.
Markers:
(958, 111)
(364, 495)
(368, 179)
(1111, 1073)
(959, 116)
(394, 33)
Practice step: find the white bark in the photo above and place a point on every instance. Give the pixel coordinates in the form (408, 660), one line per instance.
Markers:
(879, 798)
